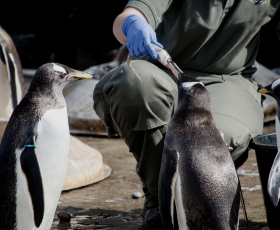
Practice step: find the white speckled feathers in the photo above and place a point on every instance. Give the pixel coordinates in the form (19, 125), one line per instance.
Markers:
(52, 148)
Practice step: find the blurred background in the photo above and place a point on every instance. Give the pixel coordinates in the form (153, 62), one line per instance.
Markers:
(79, 34)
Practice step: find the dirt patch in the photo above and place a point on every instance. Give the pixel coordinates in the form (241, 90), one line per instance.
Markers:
(108, 204)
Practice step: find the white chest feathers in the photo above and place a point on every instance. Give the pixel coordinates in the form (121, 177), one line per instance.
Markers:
(52, 148)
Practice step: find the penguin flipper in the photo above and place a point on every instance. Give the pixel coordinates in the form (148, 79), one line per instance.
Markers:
(31, 169)
(273, 185)
(167, 181)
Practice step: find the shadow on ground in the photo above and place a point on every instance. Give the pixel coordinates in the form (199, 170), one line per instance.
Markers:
(100, 219)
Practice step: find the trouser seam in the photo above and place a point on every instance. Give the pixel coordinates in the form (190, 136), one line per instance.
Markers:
(225, 115)
(124, 137)
(95, 102)
(116, 124)
(259, 104)
(244, 139)
(253, 97)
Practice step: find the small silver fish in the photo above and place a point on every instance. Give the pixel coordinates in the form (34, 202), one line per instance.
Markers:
(163, 57)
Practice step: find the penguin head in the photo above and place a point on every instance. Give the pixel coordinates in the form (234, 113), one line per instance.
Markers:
(272, 90)
(189, 85)
(54, 77)
(193, 91)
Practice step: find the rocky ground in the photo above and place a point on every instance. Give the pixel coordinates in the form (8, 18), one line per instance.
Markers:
(108, 204)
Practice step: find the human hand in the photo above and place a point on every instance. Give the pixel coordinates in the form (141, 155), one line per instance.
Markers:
(139, 36)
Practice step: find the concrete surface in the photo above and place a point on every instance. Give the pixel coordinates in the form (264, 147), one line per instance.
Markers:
(108, 204)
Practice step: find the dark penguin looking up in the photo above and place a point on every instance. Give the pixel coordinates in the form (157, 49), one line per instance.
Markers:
(273, 185)
(34, 151)
(197, 171)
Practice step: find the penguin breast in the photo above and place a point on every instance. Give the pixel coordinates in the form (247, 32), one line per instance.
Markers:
(52, 148)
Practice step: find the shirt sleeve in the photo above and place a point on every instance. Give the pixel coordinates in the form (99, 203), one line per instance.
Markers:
(152, 9)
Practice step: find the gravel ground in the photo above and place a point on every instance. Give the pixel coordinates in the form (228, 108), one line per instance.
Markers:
(108, 204)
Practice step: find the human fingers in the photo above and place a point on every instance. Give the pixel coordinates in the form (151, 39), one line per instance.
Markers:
(157, 43)
(142, 49)
(150, 49)
(135, 47)
(129, 45)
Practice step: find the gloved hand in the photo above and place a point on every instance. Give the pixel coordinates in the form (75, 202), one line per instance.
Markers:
(139, 36)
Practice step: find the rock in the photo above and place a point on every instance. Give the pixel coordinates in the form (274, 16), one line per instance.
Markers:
(276, 70)
(79, 100)
(64, 216)
(240, 172)
(100, 70)
(136, 195)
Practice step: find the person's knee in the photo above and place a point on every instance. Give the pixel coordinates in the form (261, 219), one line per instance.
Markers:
(137, 104)
(237, 113)
(237, 136)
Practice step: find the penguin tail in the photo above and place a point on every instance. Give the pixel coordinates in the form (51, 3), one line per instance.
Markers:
(273, 185)
(167, 182)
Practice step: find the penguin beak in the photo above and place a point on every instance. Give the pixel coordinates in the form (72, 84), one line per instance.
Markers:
(265, 90)
(81, 75)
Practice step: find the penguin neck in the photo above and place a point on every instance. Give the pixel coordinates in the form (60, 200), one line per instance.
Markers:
(193, 101)
(47, 96)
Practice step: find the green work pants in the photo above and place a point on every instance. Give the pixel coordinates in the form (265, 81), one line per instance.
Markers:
(139, 111)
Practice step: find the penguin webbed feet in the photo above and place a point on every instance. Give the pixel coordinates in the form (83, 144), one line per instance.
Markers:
(230, 148)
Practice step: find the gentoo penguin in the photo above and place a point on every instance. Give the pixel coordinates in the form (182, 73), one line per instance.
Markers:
(34, 151)
(12, 87)
(197, 171)
(273, 185)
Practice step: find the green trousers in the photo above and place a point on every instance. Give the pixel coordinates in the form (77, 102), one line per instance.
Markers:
(139, 111)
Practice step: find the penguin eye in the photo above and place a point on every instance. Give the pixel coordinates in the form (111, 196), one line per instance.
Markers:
(64, 74)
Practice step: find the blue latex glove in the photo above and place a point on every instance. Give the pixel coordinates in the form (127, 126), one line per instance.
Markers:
(139, 36)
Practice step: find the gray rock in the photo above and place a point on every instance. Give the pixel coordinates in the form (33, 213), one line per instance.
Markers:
(64, 216)
(136, 195)
(240, 172)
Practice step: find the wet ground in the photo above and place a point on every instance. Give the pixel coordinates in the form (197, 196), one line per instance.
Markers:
(108, 204)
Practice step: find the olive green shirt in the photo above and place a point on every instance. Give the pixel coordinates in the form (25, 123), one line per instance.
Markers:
(211, 36)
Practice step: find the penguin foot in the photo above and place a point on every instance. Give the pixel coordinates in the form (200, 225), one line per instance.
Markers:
(229, 148)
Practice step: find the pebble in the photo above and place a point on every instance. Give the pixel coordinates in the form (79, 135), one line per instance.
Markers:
(136, 195)
(64, 216)
(240, 172)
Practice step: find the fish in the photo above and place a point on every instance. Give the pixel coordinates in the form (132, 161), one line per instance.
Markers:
(163, 57)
